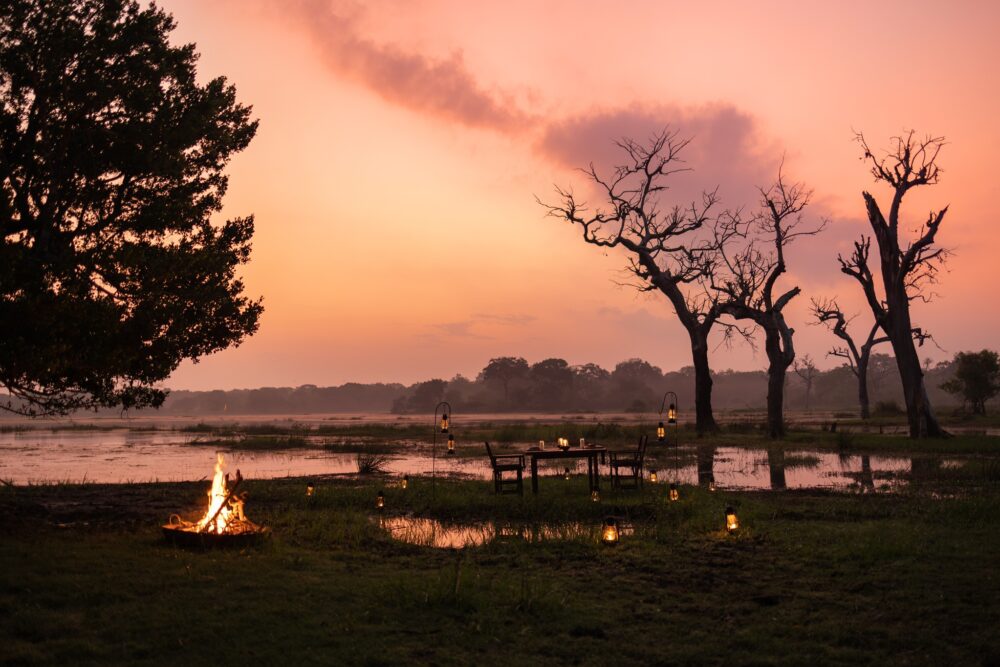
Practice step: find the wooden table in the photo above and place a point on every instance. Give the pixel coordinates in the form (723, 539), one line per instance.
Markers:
(589, 453)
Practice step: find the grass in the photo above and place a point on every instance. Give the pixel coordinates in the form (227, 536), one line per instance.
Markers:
(811, 578)
(253, 443)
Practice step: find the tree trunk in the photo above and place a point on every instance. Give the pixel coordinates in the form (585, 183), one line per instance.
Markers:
(919, 414)
(863, 388)
(776, 468)
(778, 364)
(705, 455)
(704, 419)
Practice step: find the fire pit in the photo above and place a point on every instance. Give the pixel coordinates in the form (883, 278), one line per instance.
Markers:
(223, 525)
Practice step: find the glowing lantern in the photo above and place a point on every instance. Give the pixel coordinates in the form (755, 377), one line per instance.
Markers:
(444, 423)
(711, 486)
(661, 432)
(583, 442)
(451, 444)
(380, 501)
(609, 533)
(652, 476)
(406, 481)
(595, 495)
(564, 443)
(674, 493)
(732, 522)
(566, 474)
(541, 444)
(672, 414)
(310, 489)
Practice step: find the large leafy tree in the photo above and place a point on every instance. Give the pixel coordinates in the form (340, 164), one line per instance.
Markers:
(977, 379)
(112, 160)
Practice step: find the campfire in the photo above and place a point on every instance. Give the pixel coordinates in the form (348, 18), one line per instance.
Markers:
(224, 523)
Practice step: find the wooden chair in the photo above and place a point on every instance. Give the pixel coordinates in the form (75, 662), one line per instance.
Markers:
(631, 462)
(502, 463)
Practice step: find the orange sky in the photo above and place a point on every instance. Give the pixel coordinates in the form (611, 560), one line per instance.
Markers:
(401, 145)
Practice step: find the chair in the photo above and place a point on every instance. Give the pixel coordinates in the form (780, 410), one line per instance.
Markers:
(630, 461)
(502, 463)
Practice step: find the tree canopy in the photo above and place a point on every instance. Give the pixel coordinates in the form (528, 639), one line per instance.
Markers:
(977, 379)
(112, 158)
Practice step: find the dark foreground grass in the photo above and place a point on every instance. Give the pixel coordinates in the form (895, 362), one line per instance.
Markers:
(811, 578)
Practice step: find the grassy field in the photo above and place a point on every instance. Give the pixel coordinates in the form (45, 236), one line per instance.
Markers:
(810, 578)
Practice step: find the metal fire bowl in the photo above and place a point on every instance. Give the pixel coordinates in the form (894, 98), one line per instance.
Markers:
(190, 539)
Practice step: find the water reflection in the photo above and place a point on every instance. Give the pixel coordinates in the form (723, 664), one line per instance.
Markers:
(433, 533)
(122, 455)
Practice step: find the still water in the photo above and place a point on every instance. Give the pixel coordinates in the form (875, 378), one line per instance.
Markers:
(127, 455)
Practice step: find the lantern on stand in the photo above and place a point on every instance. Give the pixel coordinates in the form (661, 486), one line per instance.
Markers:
(444, 422)
(661, 432)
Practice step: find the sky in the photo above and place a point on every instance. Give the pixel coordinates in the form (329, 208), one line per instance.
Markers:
(402, 146)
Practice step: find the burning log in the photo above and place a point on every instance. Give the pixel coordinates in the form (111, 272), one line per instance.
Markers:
(224, 522)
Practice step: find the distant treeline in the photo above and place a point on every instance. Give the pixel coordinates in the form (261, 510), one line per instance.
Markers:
(511, 384)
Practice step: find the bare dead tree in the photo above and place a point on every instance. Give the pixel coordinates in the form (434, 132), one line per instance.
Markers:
(906, 271)
(857, 356)
(664, 253)
(806, 369)
(749, 276)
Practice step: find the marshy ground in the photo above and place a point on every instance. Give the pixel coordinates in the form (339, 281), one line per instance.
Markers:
(811, 577)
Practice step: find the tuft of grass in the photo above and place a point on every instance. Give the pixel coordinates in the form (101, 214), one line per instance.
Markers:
(370, 463)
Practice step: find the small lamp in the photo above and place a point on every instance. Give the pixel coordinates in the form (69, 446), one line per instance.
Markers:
(310, 489)
(672, 414)
(541, 444)
(566, 474)
(609, 533)
(451, 443)
(406, 482)
(652, 476)
(444, 422)
(711, 486)
(661, 432)
(732, 522)
(564, 443)
(674, 493)
(380, 501)
(595, 496)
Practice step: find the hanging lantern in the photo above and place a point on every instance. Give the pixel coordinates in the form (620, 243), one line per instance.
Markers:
(595, 496)
(732, 522)
(711, 486)
(652, 476)
(444, 423)
(310, 489)
(566, 474)
(451, 444)
(380, 501)
(406, 482)
(609, 533)
(672, 414)
(674, 493)
(661, 432)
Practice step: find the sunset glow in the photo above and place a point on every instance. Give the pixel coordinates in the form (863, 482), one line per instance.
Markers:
(401, 147)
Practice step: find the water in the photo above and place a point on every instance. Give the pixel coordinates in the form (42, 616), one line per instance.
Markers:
(129, 455)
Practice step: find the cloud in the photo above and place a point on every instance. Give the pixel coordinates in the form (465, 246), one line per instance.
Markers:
(442, 88)
(726, 150)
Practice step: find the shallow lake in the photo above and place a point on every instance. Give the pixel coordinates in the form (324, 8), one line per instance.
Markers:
(129, 455)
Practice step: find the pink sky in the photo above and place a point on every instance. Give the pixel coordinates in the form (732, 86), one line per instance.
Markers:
(401, 145)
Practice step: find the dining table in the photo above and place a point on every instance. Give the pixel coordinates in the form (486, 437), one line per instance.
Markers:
(589, 452)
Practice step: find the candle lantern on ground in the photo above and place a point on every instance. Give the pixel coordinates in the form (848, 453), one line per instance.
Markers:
(406, 482)
(711, 486)
(674, 493)
(566, 474)
(653, 479)
(609, 532)
(732, 521)
(595, 496)
(380, 501)
(310, 489)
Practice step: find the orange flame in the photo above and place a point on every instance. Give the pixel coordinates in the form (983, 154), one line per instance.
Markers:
(217, 501)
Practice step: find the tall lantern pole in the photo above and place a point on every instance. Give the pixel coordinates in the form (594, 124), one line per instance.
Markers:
(444, 426)
(661, 434)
